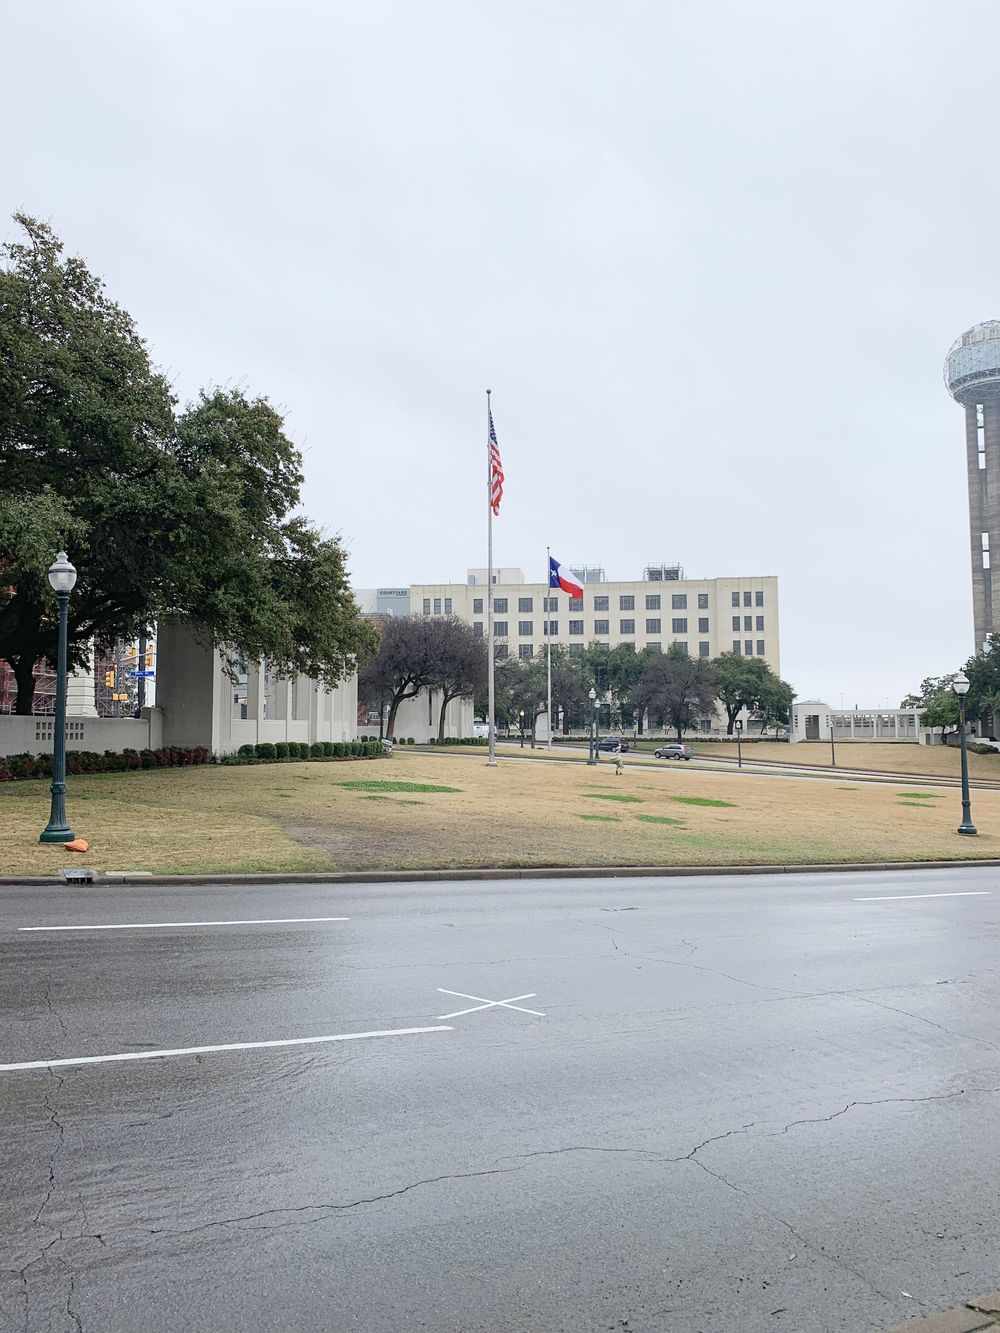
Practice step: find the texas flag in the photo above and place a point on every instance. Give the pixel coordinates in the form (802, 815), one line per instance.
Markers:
(561, 577)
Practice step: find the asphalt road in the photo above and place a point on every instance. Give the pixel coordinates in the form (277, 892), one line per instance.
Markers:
(720, 1104)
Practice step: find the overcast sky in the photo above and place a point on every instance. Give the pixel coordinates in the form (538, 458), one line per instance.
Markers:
(708, 257)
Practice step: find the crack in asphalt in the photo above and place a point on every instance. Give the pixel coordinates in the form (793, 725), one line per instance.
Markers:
(819, 1251)
(327, 1209)
(701, 967)
(885, 1101)
(953, 1032)
(53, 1011)
(53, 1120)
(69, 1305)
(677, 962)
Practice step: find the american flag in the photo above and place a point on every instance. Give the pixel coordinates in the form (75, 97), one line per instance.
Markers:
(496, 470)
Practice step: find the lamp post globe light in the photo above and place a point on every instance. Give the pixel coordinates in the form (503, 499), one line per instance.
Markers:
(739, 745)
(521, 715)
(62, 577)
(961, 687)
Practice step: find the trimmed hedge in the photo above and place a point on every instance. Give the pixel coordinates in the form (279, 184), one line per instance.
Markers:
(459, 740)
(23, 766)
(19, 767)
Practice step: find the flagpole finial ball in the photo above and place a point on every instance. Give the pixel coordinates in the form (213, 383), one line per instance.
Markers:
(489, 390)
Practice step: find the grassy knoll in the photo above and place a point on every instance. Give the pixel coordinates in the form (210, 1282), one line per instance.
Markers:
(435, 810)
(871, 756)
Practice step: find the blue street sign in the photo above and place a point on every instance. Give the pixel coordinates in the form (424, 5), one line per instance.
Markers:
(141, 674)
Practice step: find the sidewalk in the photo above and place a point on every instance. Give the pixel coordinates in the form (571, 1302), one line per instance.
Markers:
(983, 1312)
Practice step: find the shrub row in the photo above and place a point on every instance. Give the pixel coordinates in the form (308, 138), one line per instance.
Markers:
(391, 740)
(460, 740)
(266, 752)
(19, 766)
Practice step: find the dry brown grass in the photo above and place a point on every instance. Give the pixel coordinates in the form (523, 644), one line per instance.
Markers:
(296, 817)
(870, 756)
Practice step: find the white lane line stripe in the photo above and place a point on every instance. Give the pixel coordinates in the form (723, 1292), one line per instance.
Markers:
(893, 897)
(202, 1050)
(172, 925)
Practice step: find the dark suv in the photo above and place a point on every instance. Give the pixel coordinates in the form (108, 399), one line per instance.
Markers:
(674, 751)
(613, 743)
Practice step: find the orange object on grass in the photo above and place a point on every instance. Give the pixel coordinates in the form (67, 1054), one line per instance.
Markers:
(77, 845)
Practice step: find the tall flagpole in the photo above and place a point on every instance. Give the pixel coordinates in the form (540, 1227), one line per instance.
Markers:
(546, 602)
(492, 756)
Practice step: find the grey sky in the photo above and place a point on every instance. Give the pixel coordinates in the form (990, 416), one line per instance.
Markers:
(708, 257)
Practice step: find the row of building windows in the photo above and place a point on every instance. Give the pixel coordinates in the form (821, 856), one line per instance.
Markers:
(654, 625)
(437, 606)
(626, 602)
(744, 649)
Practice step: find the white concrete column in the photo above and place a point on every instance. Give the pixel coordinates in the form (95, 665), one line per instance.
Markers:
(80, 691)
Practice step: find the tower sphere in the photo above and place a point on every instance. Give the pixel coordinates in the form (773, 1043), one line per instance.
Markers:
(972, 366)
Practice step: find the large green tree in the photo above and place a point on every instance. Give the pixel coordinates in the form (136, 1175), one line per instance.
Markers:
(937, 702)
(85, 427)
(749, 683)
(190, 517)
(676, 689)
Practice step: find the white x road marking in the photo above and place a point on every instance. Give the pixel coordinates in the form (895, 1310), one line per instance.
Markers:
(488, 1004)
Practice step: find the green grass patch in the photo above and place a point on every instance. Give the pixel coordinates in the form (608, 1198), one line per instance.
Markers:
(921, 795)
(916, 805)
(604, 819)
(612, 796)
(703, 800)
(660, 819)
(395, 786)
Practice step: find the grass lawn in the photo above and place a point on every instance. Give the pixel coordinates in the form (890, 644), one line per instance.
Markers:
(870, 756)
(420, 811)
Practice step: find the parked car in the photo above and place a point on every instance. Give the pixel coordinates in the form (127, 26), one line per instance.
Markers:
(613, 743)
(674, 751)
(480, 730)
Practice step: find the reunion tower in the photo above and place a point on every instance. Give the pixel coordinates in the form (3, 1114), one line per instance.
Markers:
(972, 374)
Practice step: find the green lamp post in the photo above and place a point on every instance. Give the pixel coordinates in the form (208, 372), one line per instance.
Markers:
(62, 577)
(961, 687)
(592, 726)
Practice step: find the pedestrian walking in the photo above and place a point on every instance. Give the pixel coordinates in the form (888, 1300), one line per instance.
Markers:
(619, 761)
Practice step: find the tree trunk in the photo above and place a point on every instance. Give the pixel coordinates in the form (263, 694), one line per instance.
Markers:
(24, 675)
(390, 722)
(446, 699)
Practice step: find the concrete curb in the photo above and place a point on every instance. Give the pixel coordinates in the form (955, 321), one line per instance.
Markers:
(981, 1313)
(488, 873)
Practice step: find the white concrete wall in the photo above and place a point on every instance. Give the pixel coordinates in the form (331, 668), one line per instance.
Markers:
(419, 718)
(196, 707)
(33, 735)
(196, 697)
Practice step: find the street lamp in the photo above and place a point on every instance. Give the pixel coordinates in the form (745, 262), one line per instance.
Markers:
(833, 751)
(592, 758)
(739, 747)
(522, 728)
(62, 577)
(961, 687)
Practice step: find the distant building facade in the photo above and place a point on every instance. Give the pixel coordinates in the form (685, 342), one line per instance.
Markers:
(706, 616)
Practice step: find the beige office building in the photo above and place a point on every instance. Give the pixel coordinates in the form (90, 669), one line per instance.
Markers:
(707, 616)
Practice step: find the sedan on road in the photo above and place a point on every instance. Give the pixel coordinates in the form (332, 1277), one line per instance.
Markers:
(674, 751)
